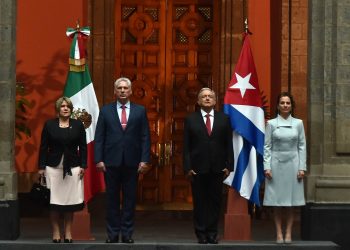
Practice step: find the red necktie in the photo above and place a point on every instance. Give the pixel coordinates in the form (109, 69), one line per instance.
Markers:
(208, 123)
(124, 120)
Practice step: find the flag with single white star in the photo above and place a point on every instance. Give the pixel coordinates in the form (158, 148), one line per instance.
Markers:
(244, 106)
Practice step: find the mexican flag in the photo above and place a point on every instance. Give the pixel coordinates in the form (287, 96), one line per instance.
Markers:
(80, 90)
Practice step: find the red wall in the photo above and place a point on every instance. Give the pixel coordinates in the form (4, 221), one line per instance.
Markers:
(42, 64)
(269, 22)
(259, 25)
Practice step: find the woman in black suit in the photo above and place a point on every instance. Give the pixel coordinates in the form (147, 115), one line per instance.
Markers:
(62, 159)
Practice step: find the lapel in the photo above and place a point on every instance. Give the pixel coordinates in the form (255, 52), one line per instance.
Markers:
(116, 118)
(281, 122)
(131, 115)
(216, 120)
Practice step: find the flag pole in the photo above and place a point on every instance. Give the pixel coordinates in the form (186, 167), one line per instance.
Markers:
(81, 227)
(78, 25)
(237, 225)
(246, 29)
(237, 222)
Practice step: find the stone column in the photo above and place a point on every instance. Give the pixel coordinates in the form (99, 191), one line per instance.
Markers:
(326, 216)
(9, 215)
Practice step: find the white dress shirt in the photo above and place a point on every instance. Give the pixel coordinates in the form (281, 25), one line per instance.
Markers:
(211, 117)
(127, 110)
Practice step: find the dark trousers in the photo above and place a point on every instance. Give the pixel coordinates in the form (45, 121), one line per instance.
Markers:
(120, 180)
(207, 198)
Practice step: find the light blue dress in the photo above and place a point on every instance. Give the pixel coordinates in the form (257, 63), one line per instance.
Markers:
(284, 154)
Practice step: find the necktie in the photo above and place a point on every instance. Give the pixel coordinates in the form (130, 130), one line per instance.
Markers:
(208, 124)
(124, 120)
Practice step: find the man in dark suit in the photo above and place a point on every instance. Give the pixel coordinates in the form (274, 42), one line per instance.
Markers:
(208, 159)
(122, 151)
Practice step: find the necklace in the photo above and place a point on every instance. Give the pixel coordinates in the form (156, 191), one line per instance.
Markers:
(63, 124)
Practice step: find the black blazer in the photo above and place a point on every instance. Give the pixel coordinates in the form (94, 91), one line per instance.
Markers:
(55, 141)
(115, 146)
(203, 153)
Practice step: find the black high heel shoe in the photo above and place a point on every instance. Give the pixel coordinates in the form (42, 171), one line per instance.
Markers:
(68, 240)
(56, 240)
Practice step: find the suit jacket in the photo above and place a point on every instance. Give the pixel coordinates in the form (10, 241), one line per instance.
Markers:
(115, 146)
(56, 141)
(203, 153)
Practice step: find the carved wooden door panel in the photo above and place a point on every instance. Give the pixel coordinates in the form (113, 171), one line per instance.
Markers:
(166, 48)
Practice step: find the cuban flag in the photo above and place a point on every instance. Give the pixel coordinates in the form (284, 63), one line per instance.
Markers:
(244, 106)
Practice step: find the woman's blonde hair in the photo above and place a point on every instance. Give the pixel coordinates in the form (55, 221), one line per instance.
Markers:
(60, 101)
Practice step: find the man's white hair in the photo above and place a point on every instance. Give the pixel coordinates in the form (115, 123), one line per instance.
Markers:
(122, 79)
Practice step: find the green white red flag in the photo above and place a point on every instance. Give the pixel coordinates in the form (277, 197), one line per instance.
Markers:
(80, 90)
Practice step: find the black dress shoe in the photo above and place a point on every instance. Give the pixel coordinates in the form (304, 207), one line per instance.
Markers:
(68, 240)
(115, 240)
(56, 240)
(202, 241)
(212, 240)
(128, 240)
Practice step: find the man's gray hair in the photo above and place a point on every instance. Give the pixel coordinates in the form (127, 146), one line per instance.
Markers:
(206, 88)
(122, 79)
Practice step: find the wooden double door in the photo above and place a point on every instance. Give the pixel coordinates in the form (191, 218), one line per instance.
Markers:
(169, 49)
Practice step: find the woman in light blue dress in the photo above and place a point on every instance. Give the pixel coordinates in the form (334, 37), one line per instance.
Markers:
(284, 165)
